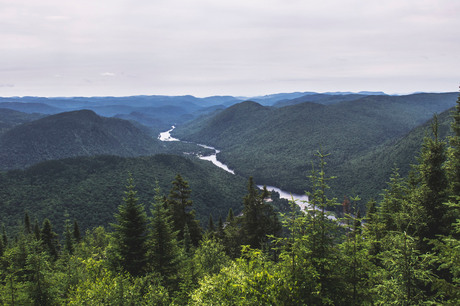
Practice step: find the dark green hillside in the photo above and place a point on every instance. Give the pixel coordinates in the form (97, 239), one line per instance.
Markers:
(325, 99)
(378, 164)
(91, 188)
(77, 133)
(276, 146)
(10, 118)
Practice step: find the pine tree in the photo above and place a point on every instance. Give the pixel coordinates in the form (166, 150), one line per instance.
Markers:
(230, 216)
(259, 219)
(130, 234)
(211, 227)
(164, 250)
(76, 232)
(69, 241)
(454, 151)
(432, 190)
(49, 239)
(27, 226)
(179, 205)
(4, 236)
(36, 230)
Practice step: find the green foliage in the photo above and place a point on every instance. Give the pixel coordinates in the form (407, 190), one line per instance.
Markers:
(77, 133)
(130, 235)
(180, 208)
(276, 145)
(163, 246)
(90, 188)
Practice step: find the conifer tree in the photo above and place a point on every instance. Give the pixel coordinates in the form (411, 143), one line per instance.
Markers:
(258, 219)
(49, 239)
(230, 216)
(433, 187)
(180, 207)
(211, 227)
(27, 225)
(36, 230)
(130, 234)
(454, 151)
(4, 236)
(76, 232)
(164, 250)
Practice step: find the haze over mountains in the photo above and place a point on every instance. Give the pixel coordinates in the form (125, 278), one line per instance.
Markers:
(272, 138)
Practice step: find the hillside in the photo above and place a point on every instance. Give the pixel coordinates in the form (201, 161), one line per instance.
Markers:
(277, 145)
(370, 172)
(77, 133)
(10, 118)
(91, 188)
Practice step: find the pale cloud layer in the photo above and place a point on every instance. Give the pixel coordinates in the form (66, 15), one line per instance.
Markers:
(209, 47)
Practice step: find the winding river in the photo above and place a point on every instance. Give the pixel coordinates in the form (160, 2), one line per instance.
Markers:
(300, 200)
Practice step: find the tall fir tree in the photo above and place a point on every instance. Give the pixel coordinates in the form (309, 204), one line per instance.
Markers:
(432, 190)
(130, 235)
(49, 239)
(258, 219)
(180, 207)
(164, 248)
(454, 151)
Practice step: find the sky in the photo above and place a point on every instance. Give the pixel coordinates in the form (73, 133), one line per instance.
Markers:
(227, 47)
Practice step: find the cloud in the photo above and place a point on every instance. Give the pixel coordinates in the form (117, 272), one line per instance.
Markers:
(108, 74)
(230, 46)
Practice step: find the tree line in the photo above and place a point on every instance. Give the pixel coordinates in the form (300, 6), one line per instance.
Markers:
(404, 251)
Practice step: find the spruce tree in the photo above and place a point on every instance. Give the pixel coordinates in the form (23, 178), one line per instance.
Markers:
(49, 239)
(211, 227)
(454, 151)
(432, 191)
(259, 219)
(27, 225)
(76, 232)
(180, 207)
(164, 250)
(130, 236)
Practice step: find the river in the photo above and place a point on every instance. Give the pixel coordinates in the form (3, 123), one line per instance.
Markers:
(300, 200)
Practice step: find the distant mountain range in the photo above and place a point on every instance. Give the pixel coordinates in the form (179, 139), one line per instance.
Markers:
(69, 134)
(273, 138)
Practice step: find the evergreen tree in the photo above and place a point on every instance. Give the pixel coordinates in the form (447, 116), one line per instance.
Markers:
(69, 241)
(4, 236)
(76, 232)
(49, 239)
(36, 230)
(454, 151)
(211, 227)
(432, 190)
(164, 250)
(258, 219)
(179, 206)
(230, 216)
(27, 226)
(130, 236)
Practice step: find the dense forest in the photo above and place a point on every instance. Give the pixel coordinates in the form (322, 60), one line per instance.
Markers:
(276, 145)
(403, 250)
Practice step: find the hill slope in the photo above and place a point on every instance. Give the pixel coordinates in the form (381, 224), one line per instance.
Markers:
(91, 188)
(77, 133)
(277, 145)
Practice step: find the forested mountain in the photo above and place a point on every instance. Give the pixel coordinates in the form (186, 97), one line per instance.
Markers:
(10, 118)
(276, 145)
(77, 133)
(156, 112)
(91, 188)
(369, 172)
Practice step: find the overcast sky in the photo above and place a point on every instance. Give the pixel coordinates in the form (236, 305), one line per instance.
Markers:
(227, 47)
